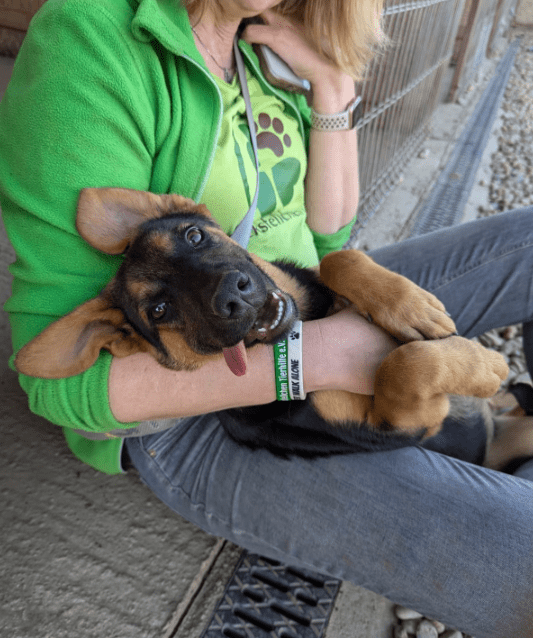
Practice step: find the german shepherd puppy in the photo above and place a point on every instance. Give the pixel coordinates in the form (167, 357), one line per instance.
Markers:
(187, 293)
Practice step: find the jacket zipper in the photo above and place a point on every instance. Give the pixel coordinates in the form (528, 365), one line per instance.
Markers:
(217, 133)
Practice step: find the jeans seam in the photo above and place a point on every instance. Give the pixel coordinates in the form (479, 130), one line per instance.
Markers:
(479, 264)
(170, 487)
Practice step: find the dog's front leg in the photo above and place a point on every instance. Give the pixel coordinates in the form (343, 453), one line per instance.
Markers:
(413, 382)
(391, 301)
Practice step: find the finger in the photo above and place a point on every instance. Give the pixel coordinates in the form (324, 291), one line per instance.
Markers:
(271, 36)
(258, 34)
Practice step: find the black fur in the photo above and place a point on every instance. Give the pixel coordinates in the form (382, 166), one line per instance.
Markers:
(195, 303)
(295, 428)
(523, 393)
(321, 296)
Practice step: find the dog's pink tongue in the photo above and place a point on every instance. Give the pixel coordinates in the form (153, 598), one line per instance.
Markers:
(236, 359)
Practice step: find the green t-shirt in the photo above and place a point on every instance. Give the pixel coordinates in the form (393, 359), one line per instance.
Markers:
(283, 164)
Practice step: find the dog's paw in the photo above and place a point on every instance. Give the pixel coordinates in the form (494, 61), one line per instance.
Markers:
(413, 314)
(467, 368)
(491, 371)
(413, 382)
(390, 300)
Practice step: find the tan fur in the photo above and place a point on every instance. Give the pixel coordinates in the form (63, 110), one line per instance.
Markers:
(391, 301)
(342, 408)
(72, 344)
(140, 289)
(185, 358)
(413, 382)
(163, 242)
(284, 282)
(412, 385)
(123, 211)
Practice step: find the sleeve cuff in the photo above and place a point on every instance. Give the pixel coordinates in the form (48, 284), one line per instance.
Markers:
(329, 243)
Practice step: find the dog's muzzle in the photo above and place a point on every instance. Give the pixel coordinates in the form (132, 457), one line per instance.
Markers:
(237, 296)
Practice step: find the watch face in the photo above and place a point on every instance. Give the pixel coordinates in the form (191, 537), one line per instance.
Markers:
(356, 111)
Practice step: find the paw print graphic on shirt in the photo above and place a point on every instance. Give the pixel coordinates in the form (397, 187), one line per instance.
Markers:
(279, 180)
(269, 139)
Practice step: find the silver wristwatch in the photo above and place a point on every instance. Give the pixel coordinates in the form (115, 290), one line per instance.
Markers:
(343, 121)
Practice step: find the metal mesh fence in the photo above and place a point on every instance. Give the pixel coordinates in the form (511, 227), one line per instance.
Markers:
(402, 87)
(401, 91)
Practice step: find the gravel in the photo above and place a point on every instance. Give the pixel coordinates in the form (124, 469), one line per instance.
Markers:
(512, 164)
(511, 187)
(511, 184)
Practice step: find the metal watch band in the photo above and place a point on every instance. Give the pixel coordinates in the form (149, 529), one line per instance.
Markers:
(343, 121)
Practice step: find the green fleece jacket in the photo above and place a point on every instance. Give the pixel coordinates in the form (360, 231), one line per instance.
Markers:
(103, 93)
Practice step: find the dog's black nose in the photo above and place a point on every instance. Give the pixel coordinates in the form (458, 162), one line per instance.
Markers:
(235, 294)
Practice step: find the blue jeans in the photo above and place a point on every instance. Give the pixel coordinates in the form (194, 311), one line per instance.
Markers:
(449, 539)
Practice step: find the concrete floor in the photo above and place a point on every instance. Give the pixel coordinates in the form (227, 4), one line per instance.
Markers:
(86, 555)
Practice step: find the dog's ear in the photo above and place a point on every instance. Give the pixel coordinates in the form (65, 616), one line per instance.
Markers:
(108, 218)
(72, 344)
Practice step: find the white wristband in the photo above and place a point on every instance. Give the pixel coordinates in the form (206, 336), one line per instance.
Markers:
(296, 379)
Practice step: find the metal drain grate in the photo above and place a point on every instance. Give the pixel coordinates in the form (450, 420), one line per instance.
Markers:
(265, 598)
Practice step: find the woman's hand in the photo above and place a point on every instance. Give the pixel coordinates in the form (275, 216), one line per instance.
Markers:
(332, 89)
(343, 352)
(332, 180)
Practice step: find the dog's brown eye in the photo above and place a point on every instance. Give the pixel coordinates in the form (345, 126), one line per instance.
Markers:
(159, 311)
(194, 236)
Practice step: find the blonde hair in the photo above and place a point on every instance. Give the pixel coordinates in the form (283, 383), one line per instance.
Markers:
(347, 32)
